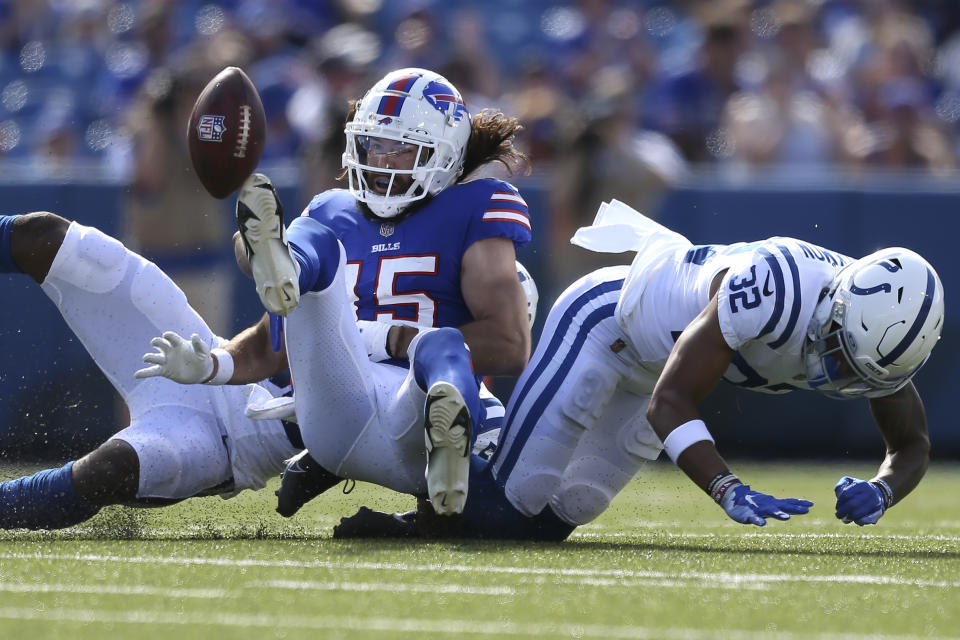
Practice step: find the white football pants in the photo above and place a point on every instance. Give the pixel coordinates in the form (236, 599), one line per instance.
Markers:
(575, 431)
(190, 439)
(359, 419)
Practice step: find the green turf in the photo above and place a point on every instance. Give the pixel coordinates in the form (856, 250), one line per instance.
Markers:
(662, 562)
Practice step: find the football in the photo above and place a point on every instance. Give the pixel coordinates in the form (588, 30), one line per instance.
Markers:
(226, 132)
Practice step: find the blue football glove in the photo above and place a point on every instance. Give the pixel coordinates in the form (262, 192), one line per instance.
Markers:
(752, 507)
(859, 501)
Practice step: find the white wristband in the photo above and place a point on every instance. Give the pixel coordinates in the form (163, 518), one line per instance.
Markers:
(374, 336)
(685, 435)
(224, 367)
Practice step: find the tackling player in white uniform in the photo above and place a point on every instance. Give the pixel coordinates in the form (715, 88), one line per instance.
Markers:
(627, 353)
(182, 441)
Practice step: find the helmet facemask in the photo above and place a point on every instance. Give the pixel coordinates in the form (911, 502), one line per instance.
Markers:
(874, 326)
(437, 139)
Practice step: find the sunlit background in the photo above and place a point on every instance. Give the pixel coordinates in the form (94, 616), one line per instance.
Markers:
(835, 121)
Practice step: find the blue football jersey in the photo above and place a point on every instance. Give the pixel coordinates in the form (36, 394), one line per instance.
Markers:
(409, 269)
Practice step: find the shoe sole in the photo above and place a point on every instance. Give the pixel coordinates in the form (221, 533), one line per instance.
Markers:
(447, 432)
(273, 269)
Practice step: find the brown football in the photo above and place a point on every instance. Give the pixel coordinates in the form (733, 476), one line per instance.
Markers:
(226, 132)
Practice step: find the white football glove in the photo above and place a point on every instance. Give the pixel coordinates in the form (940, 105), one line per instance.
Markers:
(175, 358)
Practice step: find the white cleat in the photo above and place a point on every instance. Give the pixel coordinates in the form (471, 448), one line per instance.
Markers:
(260, 221)
(448, 433)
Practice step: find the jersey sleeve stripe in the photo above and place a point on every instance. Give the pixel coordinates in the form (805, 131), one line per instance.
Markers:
(506, 196)
(778, 292)
(503, 215)
(795, 307)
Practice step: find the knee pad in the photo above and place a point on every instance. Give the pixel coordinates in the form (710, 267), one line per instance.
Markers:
(160, 471)
(580, 503)
(590, 391)
(537, 472)
(587, 488)
(90, 260)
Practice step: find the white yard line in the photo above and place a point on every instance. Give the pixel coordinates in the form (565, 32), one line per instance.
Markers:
(382, 586)
(598, 531)
(129, 590)
(393, 626)
(577, 575)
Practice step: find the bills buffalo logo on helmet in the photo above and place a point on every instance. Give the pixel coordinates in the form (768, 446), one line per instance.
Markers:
(211, 128)
(386, 120)
(445, 100)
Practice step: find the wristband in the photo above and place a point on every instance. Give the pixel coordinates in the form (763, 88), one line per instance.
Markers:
(374, 336)
(885, 490)
(721, 483)
(224, 365)
(685, 435)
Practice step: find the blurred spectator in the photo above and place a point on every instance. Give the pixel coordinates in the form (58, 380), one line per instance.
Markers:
(610, 159)
(687, 106)
(170, 218)
(904, 134)
(337, 71)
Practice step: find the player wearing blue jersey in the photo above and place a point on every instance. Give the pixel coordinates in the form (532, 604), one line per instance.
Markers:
(411, 242)
(627, 353)
(203, 439)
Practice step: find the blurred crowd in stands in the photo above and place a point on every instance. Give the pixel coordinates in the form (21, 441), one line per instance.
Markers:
(620, 98)
(795, 82)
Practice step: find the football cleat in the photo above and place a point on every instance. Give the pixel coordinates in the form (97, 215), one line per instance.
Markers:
(448, 434)
(303, 480)
(260, 221)
(367, 523)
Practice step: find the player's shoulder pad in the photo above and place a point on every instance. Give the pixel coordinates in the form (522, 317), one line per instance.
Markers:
(500, 201)
(329, 200)
(760, 295)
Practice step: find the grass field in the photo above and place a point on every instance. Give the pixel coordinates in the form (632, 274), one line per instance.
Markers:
(662, 562)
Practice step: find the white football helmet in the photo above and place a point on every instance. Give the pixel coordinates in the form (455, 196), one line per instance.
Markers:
(413, 107)
(875, 326)
(530, 290)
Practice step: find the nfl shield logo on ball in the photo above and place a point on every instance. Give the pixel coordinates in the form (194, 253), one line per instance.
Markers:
(386, 230)
(211, 128)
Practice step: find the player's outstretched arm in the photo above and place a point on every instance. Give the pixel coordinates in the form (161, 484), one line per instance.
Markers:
(693, 369)
(247, 357)
(902, 421)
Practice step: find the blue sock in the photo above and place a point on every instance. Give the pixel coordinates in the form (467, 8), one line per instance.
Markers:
(316, 248)
(45, 500)
(7, 265)
(441, 355)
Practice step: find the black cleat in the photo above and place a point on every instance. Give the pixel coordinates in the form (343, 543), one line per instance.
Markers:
(422, 522)
(367, 523)
(303, 480)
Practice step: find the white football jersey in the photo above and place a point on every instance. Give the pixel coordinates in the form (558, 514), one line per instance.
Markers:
(765, 302)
